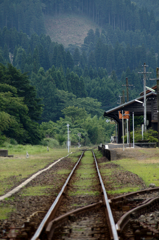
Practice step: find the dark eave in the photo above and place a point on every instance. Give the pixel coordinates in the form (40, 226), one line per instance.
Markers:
(128, 103)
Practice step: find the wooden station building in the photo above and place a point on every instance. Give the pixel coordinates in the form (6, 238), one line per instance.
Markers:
(138, 109)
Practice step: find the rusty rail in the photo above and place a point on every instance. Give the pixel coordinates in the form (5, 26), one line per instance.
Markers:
(47, 221)
(112, 225)
(66, 217)
(52, 211)
(123, 221)
(123, 197)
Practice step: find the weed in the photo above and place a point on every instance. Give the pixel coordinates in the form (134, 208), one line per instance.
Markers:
(4, 211)
(36, 191)
(63, 171)
(123, 190)
(146, 170)
(14, 170)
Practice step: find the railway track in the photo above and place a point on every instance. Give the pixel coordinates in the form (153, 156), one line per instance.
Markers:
(81, 210)
(137, 214)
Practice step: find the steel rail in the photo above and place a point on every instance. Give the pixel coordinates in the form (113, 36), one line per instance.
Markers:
(66, 217)
(54, 205)
(123, 221)
(110, 215)
(122, 197)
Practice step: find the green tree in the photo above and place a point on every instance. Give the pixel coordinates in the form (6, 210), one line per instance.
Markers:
(74, 113)
(76, 56)
(18, 99)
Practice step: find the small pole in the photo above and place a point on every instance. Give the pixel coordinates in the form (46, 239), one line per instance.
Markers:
(127, 90)
(157, 73)
(145, 117)
(120, 100)
(127, 132)
(123, 98)
(116, 133)
(68, 136)
(157, 79)
(123, 129)
(144, 83)
(142, 131)
(133, 127)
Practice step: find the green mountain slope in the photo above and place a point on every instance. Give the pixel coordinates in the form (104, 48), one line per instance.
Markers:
(150, 5)
(68, 28)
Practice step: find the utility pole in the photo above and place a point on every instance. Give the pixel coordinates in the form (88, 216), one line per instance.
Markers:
(128, 122)
(123, 97)
(133, 129)
(144, 83)
(127, 85)
(123, 128)
(68, 141)
(157, 79)
(120, 100)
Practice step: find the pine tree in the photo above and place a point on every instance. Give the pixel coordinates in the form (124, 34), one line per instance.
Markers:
(69, 61)
(83, 60)
(91, 60)
(6, 53)
(76, 56)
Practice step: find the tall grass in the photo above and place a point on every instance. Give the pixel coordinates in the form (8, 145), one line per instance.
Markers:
(17, 168)
(147, 170)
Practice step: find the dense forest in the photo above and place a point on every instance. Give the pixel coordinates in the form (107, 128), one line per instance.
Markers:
(28, 16)
(66, 82)
(150, 5)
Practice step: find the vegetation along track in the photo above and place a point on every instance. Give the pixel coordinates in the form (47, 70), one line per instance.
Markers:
(83, 211)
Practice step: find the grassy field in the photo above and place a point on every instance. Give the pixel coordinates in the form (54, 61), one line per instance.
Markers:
(17, 168)
(12, 170)
(142, 162)
(147, 169)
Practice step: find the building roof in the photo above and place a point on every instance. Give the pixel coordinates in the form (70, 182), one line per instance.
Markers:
(128, 103)
(148, 91)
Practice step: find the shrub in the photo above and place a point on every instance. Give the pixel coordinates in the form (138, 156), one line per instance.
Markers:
(61, 139)
(50, 142)
(2, 139)
(13, 141)
(150, 135)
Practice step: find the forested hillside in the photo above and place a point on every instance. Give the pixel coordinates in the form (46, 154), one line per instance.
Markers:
(88, 77)
(151, 5)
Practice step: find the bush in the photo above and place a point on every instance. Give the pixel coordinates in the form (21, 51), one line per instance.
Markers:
(150, 135)
(2, 139)
(13, 141)
(50, 142)
(61, 139)
(44, 143)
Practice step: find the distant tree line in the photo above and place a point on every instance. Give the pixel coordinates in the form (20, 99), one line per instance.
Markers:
(150, 5)
(27, 16)
(124, 15)
(47, 84)
(97, 70)
(23, 15)
(29, 54)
